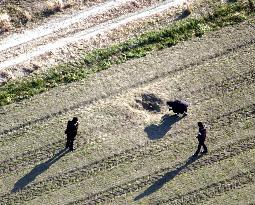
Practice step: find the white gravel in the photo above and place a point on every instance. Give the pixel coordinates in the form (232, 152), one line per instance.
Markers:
(20, 56)
(55, 25)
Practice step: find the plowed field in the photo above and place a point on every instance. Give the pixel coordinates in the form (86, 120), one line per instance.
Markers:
(127, 154)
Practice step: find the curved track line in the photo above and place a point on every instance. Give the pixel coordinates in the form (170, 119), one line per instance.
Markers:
(79, 174)
(236, 182)
(110, 94)
(217, 155)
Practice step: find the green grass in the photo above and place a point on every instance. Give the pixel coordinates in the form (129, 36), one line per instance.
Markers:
(102, 59)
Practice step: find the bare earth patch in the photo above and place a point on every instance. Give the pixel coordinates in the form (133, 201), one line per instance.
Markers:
(130, 148)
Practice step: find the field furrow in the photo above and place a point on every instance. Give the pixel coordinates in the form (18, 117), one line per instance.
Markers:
(242, 195)
(11, 127)
(150, 148)
(79, 174)
(220, 154)
(239, 181)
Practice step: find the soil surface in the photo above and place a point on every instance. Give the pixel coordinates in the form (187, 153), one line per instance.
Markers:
(126, 151)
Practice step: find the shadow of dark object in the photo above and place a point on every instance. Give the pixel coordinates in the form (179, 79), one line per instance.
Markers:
(49, 12)
(166, 178)
(158, 131)
(184, 14)
(37, 170)
(150, 102)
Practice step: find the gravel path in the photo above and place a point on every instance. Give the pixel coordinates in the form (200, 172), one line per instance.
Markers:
(56, 25)
(49, 42)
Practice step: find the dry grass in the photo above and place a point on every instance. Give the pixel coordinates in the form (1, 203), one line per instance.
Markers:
(18, 16)
(55, 5)
(117, 126)
(187, 8)
(14, 15)
(5, 22)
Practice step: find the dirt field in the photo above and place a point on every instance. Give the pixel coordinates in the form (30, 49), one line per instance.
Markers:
(127, 154)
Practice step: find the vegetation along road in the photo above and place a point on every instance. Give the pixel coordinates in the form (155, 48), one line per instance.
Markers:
(126, 152)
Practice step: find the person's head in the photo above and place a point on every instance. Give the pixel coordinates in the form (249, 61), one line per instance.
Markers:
(200, 124)
(75, 119)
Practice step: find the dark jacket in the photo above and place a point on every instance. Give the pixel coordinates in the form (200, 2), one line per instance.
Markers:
(71, 128)
(201, 134)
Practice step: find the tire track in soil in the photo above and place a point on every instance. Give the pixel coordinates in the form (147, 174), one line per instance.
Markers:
(217, 155)
(77, 175)
(227, 85)
(121, 90)
(236, 182)
(30, 157)
(45, 152)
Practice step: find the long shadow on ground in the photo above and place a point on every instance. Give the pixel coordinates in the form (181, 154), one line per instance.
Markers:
(166, 178)
(158, 131)
(37, 170)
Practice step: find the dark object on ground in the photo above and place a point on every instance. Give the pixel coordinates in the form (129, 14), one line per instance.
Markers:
(201, 139)
(178, 106)
(184, 14)
(150, 102)
(71, 132)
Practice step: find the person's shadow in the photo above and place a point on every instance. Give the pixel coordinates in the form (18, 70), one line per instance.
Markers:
(158, 131)
(166, 178)
(36, 171)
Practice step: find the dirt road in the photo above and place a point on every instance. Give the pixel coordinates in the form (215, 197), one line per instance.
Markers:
(61, 39)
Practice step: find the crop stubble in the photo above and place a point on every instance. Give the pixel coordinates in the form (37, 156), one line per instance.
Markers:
(77, 175)
(217, 155)
(45, 151)
(147, 81)
(224, 152)
(197, 196)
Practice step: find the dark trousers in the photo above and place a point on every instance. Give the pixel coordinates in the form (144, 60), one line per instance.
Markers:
(201, 144)
(69, 142)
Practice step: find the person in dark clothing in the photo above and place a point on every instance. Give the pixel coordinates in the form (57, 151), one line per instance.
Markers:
(71, 132)
(178, 106)
(201, 139)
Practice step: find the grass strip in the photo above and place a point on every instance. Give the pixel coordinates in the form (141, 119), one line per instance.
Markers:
(101, 59)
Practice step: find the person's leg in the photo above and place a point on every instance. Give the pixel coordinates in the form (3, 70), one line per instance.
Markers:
(205, 148)
(71, 145)
(198, 149)
(185, 110)
(68, 142)
(72, 142)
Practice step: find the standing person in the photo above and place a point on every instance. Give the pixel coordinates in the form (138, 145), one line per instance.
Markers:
(201, 139)
(71, 132)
